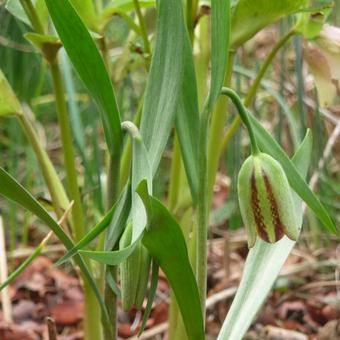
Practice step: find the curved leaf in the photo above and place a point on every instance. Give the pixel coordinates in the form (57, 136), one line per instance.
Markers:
(249, 16)
(112, 217)
(164, 240)
(89, 64)
(165, 79)
(13, 191)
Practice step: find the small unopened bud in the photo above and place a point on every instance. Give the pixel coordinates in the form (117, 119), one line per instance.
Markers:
(266, 201)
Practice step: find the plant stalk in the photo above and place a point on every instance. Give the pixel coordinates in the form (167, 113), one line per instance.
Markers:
(92, 314)
(253, 89)
(144, 33)
(54, 185)
(202, 210)
(68, 151)
(243, 115)
(32, 15)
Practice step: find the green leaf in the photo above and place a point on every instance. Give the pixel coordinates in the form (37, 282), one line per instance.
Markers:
(87, 12)
(115, 218)
(220, 39)
(270, 146)
(165, 79)
(128, 5)
(9, 103)
(13, 191)
(151, 296)
(89, 64)
(111, 258)
(249, 16)
(187, 121)
(15, 8)
(141, 169)
(25, 263)
(165, 242)
(263, 265)
(91, 235)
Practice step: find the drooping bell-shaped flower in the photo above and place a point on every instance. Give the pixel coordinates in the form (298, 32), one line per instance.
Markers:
(266, 201)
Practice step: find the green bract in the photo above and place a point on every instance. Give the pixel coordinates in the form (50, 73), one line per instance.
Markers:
(134, 272)
(266, 201)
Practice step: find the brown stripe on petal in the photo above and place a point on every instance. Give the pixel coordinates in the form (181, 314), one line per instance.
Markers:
(278, 226)
(255, 204)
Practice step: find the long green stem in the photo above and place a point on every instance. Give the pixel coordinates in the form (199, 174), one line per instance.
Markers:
(91, 323)
(253, 89)
(92, 326)
(32, 15)
(54, 185)
(143, 30)
(217, 129)
(68, 151)
(202, 210)
(243, 115)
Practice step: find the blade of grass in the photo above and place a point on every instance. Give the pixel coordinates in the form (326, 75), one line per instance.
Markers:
(36, 252)
(13, 191)
(165, 79)
(89, 64)
(162, 235)
(220, 36)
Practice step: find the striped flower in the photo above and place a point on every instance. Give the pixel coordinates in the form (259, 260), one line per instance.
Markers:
(266, 201)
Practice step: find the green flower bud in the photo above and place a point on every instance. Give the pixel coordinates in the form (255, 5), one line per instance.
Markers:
(266, 201)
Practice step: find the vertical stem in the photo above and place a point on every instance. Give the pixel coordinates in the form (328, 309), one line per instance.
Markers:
(251, 93)
(217, 130)
(110, 297)
(5, 298)
(202, 210)
(144, 32)
(68, 151)
(32, 15)
(175, 177)
(300, 84)
(92, 314)
(113, 187)
(55, 188)
(242, 111)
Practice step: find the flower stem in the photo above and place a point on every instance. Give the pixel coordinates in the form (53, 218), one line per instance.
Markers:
(147, 49)
(54, 185)
(32, 15)
(243, 115)
(253, 89)
(92, 313)
(68, 151)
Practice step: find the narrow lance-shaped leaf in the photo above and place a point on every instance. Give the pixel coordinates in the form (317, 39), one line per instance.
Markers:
(164, 240)
(12, 190)
(141, 169)
(117, 216)
(187, 120)
(165, 79)
(263, 265)
(36, 252)
(89, 64)
(220, 38)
